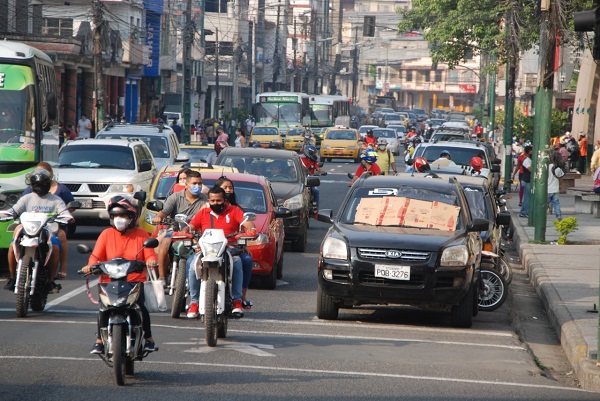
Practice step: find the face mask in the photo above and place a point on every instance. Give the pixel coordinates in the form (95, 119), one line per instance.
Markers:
(121, 223)
(218, 208)
(41, 189)
(229, 196)
(182, 182)
(381, 147)
(195, 189)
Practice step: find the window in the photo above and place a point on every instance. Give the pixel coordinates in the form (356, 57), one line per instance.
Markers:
(438, 76)
(468, 77)
(409, 76)
(452, 77)
(58, 27)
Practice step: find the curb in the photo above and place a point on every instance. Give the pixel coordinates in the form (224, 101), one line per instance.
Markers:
(571, 339)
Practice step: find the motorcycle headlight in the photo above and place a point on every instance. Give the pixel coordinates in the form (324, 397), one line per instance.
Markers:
(133, 295)
(455, 256)
(295, 202)
(149, 216)
(116, 270)
(335, 249)
(32, 227)
(260, 240)
(211, 249)
(121, 188)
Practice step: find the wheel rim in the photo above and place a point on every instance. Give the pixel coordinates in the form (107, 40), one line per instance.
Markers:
(492, 290)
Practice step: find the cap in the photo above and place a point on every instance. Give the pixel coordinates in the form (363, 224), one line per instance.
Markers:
(445, 153)
(581, 133)
(381, 141)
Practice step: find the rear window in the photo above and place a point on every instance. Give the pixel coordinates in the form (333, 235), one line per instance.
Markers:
(264, 131)
(276, 170)
(158, 145)
(95, 156)
(339, 134)
(461, 156)
(384, 133)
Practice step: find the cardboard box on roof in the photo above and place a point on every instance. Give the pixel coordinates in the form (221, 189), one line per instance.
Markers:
(443, 216)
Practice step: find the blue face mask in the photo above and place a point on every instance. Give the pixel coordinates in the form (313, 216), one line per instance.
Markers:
(195, 189)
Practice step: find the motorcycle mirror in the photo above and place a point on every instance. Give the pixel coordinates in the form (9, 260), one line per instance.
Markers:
(350, 175)
(181, 218)
(155, 206)
(249, 216)
(140, 196)
(82, 248)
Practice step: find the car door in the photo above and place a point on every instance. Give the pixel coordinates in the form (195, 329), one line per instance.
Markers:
(145, 177)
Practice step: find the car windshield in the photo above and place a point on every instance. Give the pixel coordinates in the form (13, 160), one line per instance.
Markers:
(158, 145)
(477, 204)
(264, 131)
(392, 117)
(251, 197)
(198, 154)
(295, 132)
(276, 170)
(94, 156)
(339, 134)
(460, 156)
(444, 136)
(403, 207)
(384, 133)
(363, 129)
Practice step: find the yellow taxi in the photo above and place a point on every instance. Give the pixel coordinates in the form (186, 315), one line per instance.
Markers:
(197, 151)
(340, 143)
(265, 137)
(163, 182)
(294, 139)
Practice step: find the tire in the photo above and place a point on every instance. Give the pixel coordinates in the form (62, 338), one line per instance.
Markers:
(222, 329)
(40, 296)
(300, 244)
(210, 312)
(118, 356)
(270, 282)
(178, 301)
(462, 314)
(71, 228)
(22, 303)
(493, 291)
(129, 367)
(505, 269)
(327, 308)
(328, 159)
(280, 266)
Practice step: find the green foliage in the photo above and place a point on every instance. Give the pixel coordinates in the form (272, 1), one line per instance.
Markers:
(559, 122)
(523, 125)
(564, 227)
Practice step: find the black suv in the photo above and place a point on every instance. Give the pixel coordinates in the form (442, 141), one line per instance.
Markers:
(289, 181)
(403, 239)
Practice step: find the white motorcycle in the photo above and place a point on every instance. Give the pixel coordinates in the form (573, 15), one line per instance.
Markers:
(214, 268)
(33, 248)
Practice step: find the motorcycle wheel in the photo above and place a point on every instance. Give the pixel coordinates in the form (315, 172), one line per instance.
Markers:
(118, 356)
(40, 296)
(22, 303)
(179, 294)
(493, 291)
(222, 329)
(210, 312)
(129, 367)
(505, 269)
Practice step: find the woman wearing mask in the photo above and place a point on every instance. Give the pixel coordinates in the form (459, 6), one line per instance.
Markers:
(180, 180)
(240, 139)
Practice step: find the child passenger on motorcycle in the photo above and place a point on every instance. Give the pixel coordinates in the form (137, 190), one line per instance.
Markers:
(123, 240)
(42, 201)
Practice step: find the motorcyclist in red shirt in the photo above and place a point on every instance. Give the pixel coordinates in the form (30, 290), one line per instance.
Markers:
(310, 161)
(367, 163)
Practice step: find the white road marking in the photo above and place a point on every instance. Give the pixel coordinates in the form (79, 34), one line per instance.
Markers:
(70, 295)
(325, 373)
(246, 348)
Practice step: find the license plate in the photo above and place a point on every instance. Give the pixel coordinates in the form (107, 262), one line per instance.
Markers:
(392, 272)
(337, 152)
(85, 203)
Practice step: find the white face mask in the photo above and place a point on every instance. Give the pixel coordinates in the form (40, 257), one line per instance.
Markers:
(182, 182)
(121, 223)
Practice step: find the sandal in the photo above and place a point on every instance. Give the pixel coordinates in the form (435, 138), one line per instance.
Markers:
(61, 276)
(247, 304)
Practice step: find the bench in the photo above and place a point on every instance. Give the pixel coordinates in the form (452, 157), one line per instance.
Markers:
(567, 181)
(586, 201)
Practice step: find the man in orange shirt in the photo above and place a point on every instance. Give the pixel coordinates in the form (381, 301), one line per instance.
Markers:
(123, 240)
(582, 152)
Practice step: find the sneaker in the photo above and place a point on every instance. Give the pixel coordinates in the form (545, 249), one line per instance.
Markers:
(98, 348)
(559, 218)
(523, 215)
(54, 288)
(237, 307)
(149, 346)
(10, 284)
(247, 304)
(192, 312)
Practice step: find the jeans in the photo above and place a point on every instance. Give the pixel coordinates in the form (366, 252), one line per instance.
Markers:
(315, 194)
(194, 282)
(553, 199)
(247, 269)
(525, 206)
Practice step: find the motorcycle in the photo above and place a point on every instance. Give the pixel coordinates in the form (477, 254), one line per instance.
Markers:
(122, 336)
(214, 268)
(33, 248)
(493, 290)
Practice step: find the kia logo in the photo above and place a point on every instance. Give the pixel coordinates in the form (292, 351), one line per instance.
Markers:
(393, 254)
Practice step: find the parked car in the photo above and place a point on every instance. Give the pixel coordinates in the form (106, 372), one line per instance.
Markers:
(265, 137)
(95, 170)
(161, 140)
(421, 114)
(428, 256)
(196, 152)
(390, 135)
(341, 143)
(289, 182)
(294, 139)
(389, 119)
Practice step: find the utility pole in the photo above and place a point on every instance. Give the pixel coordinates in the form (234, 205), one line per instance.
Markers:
(314, 36)
(276, 56)
(98, 70)
(509, 102)
(188, 39)
(217, 112)
(295, 47)
(338, 52)
(355, 66)
(253, 77)
(492, 94)
(235, 86)
(543, 114)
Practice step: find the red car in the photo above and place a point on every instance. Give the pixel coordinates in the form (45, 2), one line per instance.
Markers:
(254, 194)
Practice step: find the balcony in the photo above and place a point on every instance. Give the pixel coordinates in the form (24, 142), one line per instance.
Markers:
(134, 53)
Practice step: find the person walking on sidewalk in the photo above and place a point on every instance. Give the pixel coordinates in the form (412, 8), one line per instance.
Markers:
(525, 182)
(582, 152)
(595, 162)
(554, 186)
(519, 170)
(596, 177)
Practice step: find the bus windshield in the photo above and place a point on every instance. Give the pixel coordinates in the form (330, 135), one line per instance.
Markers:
(278, 114)
(17, 122)
(321, 115)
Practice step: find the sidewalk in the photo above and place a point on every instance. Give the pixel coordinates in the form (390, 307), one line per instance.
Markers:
(566, 279)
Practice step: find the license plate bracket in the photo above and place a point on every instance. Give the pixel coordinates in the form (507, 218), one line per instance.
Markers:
(86, 203)
(392, 272)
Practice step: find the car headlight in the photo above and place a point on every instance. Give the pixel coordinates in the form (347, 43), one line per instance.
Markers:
(149, 216)
(260, 240)
(276, 141)
(295, 202)
(335, 249)
(455, 256)
(351, 147)
(326, 146)
(121, 188)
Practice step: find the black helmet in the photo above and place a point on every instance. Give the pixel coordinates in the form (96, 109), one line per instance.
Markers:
(40, 181)
(370, 132)
(310, 152)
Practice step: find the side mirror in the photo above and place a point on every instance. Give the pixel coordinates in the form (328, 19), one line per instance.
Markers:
(312, 181)
(249, 216)
(180, 217)
(155, 206)
(182, 157)
(282, 212)
(479, 225)
(503, 218)
(325, 215)
(82, 248)
(151, 243)
(145, 165)
(52, 106)
(140, 196)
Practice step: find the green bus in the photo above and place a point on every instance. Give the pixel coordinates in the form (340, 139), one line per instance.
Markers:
(28, 108)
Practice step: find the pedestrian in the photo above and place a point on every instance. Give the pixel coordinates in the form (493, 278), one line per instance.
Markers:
(519, 170)
(210, 132)
(582, 152)
(595, 161)
(385, 158)
(178, 130)
(596, 178)
(62, 134)
(574, 152)
(553, 201)
(84, 127)
(240, 140)
(562, 149)
(526, 180)
(222, 136)
(71, 133)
